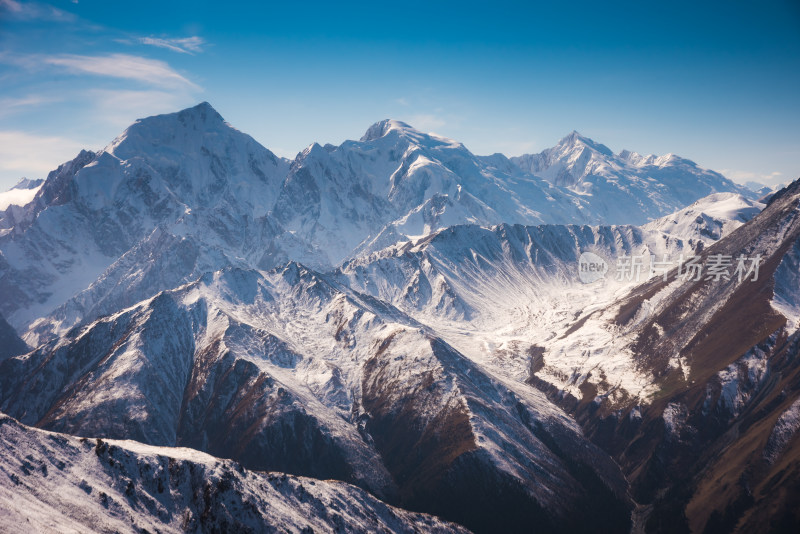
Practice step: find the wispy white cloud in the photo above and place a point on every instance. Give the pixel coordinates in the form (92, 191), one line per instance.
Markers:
(150, 71)
(17, 197)
(34, 11)
(184, 45)
(11, 6)
(107, 113)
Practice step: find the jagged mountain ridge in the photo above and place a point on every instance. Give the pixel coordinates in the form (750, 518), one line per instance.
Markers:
(291, 371)
(189, 186)
(498, 293)
(398, 182)
(692, 386)
(626, 187)
(226, 358)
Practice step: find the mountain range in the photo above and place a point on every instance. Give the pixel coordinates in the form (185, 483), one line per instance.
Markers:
(403, 316)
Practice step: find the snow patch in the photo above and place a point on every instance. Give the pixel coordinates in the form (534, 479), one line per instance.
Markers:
(784, 430)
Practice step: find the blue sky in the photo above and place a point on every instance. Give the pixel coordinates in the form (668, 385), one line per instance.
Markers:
(716, 82)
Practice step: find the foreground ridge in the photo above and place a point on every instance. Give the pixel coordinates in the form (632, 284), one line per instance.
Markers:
(53, 482)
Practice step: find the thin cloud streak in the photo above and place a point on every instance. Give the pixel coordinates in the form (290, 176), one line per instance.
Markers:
(35, 11)
(150, 71)
(11, 5)
(184, 45)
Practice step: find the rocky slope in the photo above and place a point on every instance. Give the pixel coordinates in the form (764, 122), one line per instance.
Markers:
(291, 371)
(713, 447)
(690, 385)
(58, 483)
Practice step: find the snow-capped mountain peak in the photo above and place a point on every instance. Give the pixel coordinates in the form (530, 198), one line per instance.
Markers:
(568, 161)
(394, 312)
(653, 186)
(382, 128)
(190, 182)
(396, 132)
(185, 130)
(192, 157)
(576, 141)
(27, 183)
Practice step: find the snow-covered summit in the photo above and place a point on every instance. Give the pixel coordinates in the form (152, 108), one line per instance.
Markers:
(401, 130)
(627, 187)
(187, 174)
(27, 183)
(397, 182)
(567, 161)
(193, 153)
(576, 140)
(178, 130)
(191, 184)
(381, 128)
